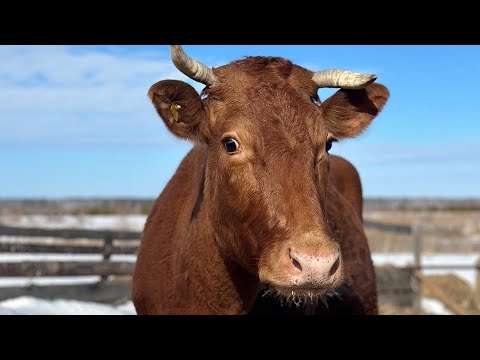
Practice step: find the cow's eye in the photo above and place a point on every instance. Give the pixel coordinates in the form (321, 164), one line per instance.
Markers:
(328, 145)
(231, 145)
(316, 100)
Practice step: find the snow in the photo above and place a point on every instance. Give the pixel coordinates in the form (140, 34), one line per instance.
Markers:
(26, 305)
(396, 259)
(434, 307)
(50, 280)
(19, 257)
(7, 312)
(93, 222)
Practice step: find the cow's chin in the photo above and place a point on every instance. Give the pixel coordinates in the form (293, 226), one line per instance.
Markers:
(301, 294)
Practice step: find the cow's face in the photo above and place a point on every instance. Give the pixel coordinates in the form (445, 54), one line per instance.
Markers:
(268, 138)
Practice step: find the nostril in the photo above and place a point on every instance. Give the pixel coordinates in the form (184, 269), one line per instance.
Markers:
(294, 261)
(334, 268)
(296, 264)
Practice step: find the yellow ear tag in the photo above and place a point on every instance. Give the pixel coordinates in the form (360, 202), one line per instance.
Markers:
(174, 109)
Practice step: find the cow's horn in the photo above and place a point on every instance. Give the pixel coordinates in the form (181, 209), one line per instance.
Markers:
(342, 79)
(191, 67)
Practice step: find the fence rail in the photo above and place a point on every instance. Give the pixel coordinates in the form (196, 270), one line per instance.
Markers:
(69, 233)
(134, 235)
(399, 229)
(65, 249)
(108, 289)
(66, 268)
(442, 267)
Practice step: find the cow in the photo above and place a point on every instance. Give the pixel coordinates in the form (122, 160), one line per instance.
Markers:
(259, 218)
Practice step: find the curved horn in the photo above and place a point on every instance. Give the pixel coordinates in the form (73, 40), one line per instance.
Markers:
(342, 79)
(191, 67)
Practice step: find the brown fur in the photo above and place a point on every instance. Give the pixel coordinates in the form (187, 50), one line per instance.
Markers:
(347, 181)
(224, 222)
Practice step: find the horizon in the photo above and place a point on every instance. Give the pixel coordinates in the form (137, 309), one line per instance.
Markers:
(77, 123)
(122, 198)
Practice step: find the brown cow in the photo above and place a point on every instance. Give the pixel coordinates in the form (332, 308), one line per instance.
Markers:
(258, 217)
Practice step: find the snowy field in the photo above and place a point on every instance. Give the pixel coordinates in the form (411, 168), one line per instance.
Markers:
(31, 306)
(28, 305)
(98, 222)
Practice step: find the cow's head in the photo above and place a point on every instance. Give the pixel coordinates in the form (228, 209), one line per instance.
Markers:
(267, 137)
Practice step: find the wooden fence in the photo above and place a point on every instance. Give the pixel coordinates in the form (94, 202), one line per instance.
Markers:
(403, 285)
(400, 285)
(114, 277)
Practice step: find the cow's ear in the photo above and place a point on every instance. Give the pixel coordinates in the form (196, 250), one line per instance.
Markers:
(180, 107)
(349, 112)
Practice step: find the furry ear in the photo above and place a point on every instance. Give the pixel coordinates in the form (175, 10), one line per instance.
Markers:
(180, 107)
(349, 112)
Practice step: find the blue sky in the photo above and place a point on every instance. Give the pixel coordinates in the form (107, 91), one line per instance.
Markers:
(76, 120)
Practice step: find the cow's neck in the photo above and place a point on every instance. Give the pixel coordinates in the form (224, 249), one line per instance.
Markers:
(221, 286)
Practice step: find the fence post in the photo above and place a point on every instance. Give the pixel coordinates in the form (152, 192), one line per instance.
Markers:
(417, 245)
(107, 251)
(477, 285)
(417, 254)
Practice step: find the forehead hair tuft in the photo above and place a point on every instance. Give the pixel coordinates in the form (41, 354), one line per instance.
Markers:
(259, 67)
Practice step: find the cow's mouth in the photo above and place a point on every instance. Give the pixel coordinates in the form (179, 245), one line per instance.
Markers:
(300, 295)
